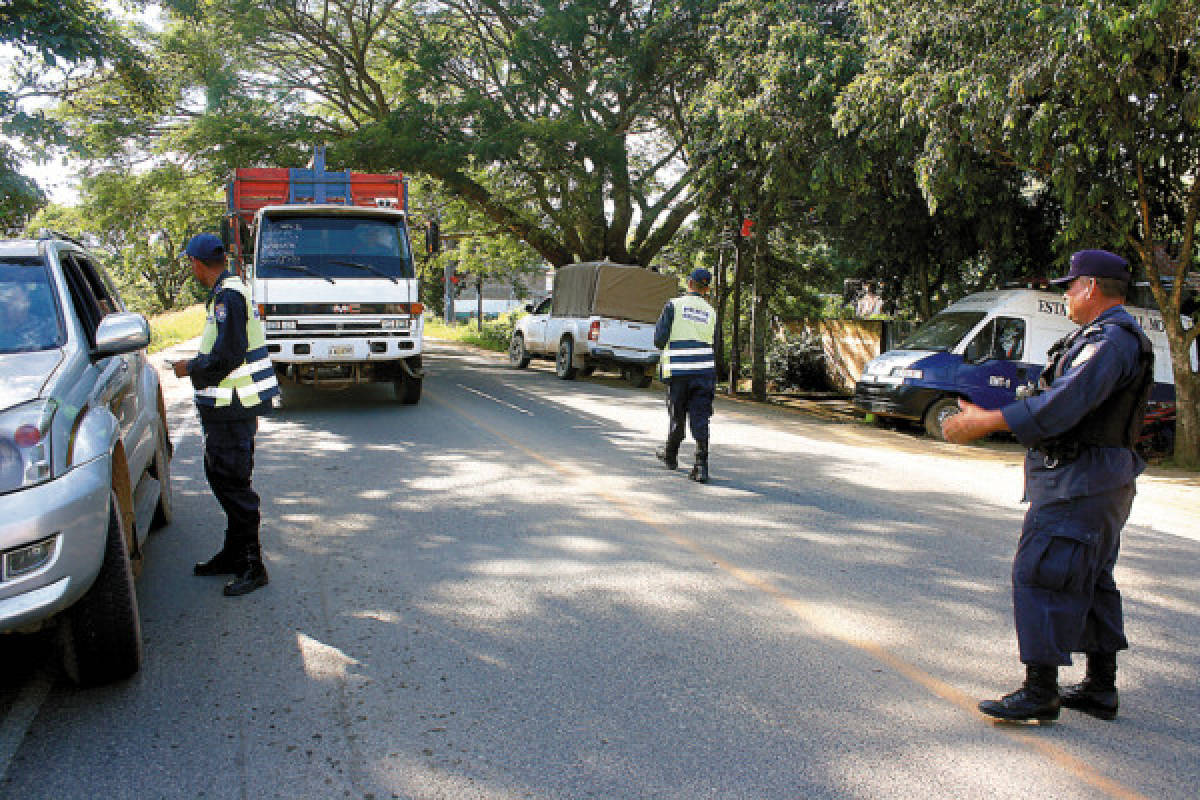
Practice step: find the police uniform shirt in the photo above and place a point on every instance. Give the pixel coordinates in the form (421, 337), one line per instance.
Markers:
(1103, 358)
(229, 350)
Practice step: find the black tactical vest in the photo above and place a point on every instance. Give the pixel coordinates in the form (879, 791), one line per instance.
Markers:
(1117, 421)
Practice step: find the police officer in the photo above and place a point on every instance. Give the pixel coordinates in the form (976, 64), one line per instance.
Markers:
(684, 333)
(234, 383)
(1080, 422)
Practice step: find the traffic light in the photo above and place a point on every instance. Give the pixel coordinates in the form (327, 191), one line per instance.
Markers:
(433, 238)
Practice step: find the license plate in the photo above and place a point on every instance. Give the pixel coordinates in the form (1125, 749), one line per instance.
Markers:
(341, 350)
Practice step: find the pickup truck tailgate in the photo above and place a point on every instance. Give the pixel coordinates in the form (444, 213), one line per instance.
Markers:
(625, 340)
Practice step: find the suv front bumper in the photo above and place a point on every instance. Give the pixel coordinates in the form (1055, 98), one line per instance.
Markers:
(74, 510)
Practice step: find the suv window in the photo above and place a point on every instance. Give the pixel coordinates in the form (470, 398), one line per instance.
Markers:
(29, 315)
(87, 306)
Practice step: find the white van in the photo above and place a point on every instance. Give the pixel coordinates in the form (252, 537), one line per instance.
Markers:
(982, 348)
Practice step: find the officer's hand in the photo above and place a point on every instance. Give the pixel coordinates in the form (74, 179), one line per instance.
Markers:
(969, 424)
(181, 368)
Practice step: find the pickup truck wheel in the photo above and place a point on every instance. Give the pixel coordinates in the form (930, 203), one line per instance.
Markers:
(102, 633)
(639, 377)
(564, 366)
(587, 371)
(518, 356)
(938, 413)
(161, 470)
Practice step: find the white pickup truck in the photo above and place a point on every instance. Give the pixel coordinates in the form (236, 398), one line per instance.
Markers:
(601, 315)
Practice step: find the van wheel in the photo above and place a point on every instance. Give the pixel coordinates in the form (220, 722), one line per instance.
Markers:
(161, 469)
(564, 366)
(518, 356)
(938, 413)
(102, 633)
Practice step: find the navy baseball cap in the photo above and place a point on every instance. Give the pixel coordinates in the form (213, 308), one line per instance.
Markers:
(700, 276)
(205, 246)
(1096, 264)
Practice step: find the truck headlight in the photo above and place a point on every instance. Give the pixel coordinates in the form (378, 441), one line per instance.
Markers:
(389, 324)
(280, 325)
(25, 445)
(915, 374)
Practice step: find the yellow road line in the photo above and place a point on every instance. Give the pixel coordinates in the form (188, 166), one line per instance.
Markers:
(806, 612)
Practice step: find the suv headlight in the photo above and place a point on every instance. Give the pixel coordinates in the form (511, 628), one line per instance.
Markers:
(25, 445)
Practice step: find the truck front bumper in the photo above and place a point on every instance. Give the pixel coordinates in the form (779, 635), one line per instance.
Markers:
(384, 346)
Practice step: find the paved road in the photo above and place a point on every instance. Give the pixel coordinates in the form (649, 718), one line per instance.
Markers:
(500, 594)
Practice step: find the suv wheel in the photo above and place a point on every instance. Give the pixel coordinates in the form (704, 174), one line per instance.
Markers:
(102, 632)
(161, 470)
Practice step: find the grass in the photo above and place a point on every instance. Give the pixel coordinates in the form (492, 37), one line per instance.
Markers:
(495, 334)
(173, 327)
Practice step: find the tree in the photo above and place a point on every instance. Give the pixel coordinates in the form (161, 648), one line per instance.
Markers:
(1098, 101)
(561, 123)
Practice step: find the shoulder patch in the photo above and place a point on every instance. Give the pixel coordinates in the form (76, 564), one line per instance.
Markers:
(220, 312)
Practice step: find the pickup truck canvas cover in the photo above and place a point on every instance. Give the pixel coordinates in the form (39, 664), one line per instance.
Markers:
(609, 290)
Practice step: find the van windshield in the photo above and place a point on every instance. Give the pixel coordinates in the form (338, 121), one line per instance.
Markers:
(341, 247)
(942, 332)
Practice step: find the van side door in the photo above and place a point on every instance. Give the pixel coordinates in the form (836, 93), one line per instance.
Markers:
(994, 362)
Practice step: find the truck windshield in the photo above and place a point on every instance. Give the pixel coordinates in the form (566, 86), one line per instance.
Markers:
(338, 247)
(29, 318)
(942, 332)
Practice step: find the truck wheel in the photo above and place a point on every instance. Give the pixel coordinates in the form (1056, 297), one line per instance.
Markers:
(161, 470)
(102, 632)
(640, 378)
(518, 356)
(408, 390)
(564, 366)
(587, 370)
(938, 413)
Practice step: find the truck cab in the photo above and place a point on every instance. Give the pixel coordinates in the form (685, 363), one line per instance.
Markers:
(333, 275)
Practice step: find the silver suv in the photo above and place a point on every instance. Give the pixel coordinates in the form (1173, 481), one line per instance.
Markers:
(84, 456)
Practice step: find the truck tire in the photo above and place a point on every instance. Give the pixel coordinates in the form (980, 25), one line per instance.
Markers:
(102, 632)
(639, 377)
(564, 363)
(518, 356)
(408, 390)
(938, 413)
(160, 468)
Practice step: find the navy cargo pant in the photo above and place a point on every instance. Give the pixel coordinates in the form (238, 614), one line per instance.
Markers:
(689, 400)
(228, 464)
(1064, 596)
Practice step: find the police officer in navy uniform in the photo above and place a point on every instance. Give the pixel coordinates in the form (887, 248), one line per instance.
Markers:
(1080, 422)
(234, 383)
(684, 333)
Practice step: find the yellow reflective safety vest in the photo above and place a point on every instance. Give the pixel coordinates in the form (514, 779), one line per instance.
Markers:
(690, 349)
(254, 380)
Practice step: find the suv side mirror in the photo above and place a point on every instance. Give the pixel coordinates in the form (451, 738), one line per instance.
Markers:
(122, 332)
(529, 306)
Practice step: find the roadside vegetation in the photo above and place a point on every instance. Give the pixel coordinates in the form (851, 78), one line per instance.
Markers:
(173, 327)
(494, 335)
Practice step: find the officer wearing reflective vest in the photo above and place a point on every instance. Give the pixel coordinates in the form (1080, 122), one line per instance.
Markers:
(684, 333)
(1080, 422)
(234, 383)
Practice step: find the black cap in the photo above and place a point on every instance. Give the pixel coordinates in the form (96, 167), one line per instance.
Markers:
(1096, 264)
(700, 276)
(205, 246)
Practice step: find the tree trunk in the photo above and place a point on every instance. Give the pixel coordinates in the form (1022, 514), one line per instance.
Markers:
(924, 305)
(479, 304)
(735, 350)
(718, 297)
(758, 355)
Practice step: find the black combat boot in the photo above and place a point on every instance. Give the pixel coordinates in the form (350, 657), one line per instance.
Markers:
(699, 471)
(1037, 699)
(225, 562)
(251, 573)
(1097, 695)
(668, 455)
